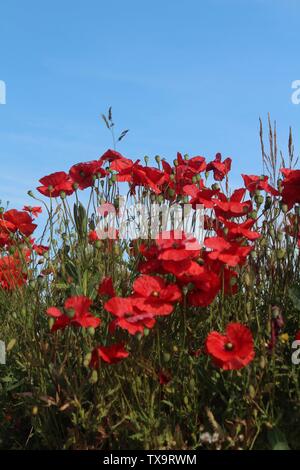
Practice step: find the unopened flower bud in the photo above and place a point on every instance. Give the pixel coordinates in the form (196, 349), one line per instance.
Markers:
(280, 253)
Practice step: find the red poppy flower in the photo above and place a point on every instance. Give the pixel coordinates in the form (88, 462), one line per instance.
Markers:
(253, 183)
(291, 187)
(232, 254)
(233, 350)
(154, 296)
(11, 273)
(297, 337)
(14, 221)
(35, 211)
(206, 287)
(219, 168)
(106, 287)
(175, 245)
(40, 249)
(55, 184)
(84, 174)
(148, 177)
(233, 206)
(110, 354)
(128, 316)
(200, 196)
(92, 236)
(240, 230)
(111, 156)
(79, 314)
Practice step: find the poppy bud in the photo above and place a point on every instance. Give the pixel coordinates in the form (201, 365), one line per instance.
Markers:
(198, 177)
(30, 193)
(87, 359)
(252, 392)
(206, 174)
(171, 192)
(172, 177)
(259, 200)
(91, 331)
(215, 186)
(51, 322)
(194, 179)
(175, 162)
(167, 357)
(280, 236)
(280, 253)
(146, 332)
(146, 159)
(75, 186)
(94, 377)
(253, 214)
(186, 157)
(276, 211)
(157, 159)
(185, 290)
(70, 313)
(262, 362)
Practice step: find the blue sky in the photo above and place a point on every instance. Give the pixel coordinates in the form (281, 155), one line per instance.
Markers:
(185, 75)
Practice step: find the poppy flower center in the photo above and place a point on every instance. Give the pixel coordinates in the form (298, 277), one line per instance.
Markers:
(229, 346)
(82, 174)
(155, 293)
(175, 245)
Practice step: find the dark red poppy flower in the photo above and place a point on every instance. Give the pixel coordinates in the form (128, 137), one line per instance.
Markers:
(35, 211)
(233, 206)
(164, 377)
(78, 315)
(154, 296)
(55, 184)
(13, 221)
(128, 316)
(219, 168)
(84, 174)
(297, 337)
(106, 287)
(110, 354)
(233, 350)
(253, 183)
(291, 187)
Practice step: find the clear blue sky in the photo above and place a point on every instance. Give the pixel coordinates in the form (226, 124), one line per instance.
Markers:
(185, 75)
